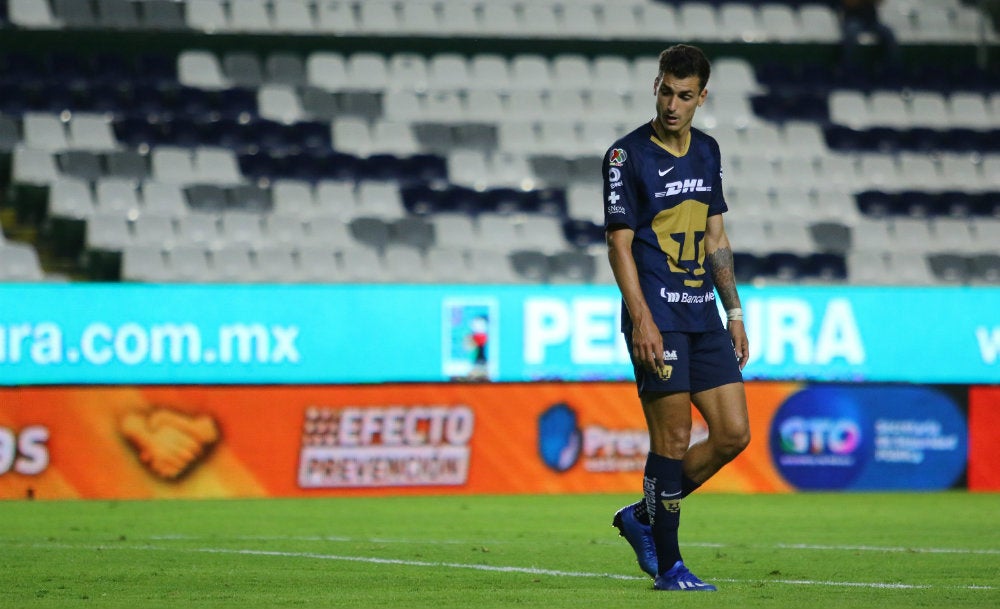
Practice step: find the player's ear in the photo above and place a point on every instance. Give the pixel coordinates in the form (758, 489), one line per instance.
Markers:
(702, 96)
(656, 84)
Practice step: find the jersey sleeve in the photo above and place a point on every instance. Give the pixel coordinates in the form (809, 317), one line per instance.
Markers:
(619, 192)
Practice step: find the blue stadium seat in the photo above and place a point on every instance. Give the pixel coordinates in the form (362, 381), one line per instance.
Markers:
(380, 167)
(54, 97)
(13, 100)
(876, 203)
(310, 135)
(747, 267)
(425, 168)
(950, 268)
(67, 68)
(882, 139)
(146, 100)
(192, 101)
(261, 166)
(183, 130)
(986, 204)
(531, 265)
(230, 133)
(791, 105)
(155, 68)
(921, 139)
(75, 14)
(271, 136)
(422, 199)
(126, 164)
(117, 14)
(956, 204)
(965, 140)
(162, 15)
(816, 76)
(462, 199)
(991, 140)
(111, 68)
(552, 202)
(249, 197)
(135, 132)
(414, 169)
(825, 267)
(101, 97)
(840, 137)
(930, 76)
(208, 198)
(327, 164)
(236, 102)
(583, 233)
(506, 200)
(784, 266)
(20, 67)
(985, 268)
(774, 74)
(80, 164)
(573, 266)
(916, 203)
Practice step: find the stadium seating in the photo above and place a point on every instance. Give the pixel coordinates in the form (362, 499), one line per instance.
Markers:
(420, 166)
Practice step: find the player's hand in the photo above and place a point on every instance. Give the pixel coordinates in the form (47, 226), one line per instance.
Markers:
(647, 345)
(740, 343)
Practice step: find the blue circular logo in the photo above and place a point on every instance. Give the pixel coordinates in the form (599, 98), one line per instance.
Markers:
(559, 437)
(820, 438)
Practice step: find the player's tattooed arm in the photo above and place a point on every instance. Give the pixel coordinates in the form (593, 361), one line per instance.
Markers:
(725, 283)
(724, 276)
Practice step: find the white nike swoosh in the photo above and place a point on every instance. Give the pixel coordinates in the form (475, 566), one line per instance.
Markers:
(667, 495)
(663, 173)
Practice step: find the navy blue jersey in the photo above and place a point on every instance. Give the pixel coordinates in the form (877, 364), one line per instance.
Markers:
(667, 200)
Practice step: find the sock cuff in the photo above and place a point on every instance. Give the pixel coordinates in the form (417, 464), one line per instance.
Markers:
(664, 463)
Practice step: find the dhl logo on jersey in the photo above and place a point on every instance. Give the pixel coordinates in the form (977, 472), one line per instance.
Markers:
(684, 186)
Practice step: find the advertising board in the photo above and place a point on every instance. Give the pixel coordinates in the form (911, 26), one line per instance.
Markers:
(265, 334)
(453, 438)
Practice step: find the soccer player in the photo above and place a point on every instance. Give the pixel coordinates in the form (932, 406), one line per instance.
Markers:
(669, 252)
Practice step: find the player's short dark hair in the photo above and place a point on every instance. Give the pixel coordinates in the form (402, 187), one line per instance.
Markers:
(685, 60)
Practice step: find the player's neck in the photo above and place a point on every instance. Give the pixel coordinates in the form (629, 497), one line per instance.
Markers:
(675, 143)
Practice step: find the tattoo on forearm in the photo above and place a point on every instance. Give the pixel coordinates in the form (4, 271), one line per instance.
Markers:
(724, 277)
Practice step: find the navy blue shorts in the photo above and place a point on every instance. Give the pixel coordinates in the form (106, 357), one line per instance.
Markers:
(694, 361)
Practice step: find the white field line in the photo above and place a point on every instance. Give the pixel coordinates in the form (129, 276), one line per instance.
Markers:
(508, 569)
(849, 548)
(486, 542)
(806, 546)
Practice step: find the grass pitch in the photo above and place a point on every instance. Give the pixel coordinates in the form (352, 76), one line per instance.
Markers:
(797, 550)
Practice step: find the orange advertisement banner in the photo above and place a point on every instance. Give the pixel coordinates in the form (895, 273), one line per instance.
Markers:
(984, 439)
(280, 441)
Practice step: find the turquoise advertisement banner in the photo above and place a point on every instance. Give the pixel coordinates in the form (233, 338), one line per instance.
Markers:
(263, 334)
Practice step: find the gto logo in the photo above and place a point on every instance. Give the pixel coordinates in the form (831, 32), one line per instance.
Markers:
(820, 435)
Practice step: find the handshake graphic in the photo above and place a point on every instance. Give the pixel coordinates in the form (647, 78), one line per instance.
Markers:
(169, 442)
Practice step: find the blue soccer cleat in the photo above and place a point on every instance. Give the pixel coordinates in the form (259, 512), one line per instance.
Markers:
(679, 578)
(639, 536)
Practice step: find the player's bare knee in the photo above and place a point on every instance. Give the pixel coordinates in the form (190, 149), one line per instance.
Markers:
(729, 445)
(673, 444)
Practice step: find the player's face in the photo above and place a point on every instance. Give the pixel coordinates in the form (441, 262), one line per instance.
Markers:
(676, 102)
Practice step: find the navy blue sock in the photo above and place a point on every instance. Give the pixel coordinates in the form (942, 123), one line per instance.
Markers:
(662, 487)
(688, 486)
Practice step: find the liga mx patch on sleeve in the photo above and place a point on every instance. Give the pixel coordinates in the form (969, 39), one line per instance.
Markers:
(617, 157)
